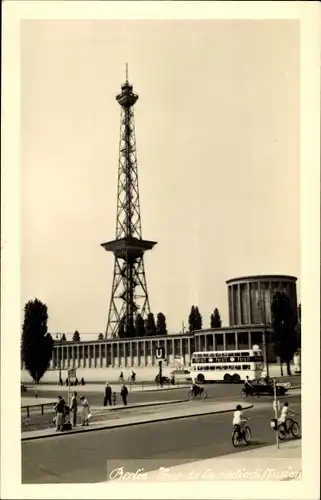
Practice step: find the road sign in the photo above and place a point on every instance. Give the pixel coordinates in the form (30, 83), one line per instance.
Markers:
(160, 353)
(71, 373)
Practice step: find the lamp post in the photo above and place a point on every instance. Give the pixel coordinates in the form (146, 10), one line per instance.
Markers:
(263, 322)
(58, 335)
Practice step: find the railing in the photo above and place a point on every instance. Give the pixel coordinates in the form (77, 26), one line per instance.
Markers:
(151, 386)
(28, 410)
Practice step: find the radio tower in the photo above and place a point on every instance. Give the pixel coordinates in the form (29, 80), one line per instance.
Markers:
(129, 290)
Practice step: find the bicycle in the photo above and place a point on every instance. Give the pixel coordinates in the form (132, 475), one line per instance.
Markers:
(238, 435)
(192, 394)
(290, 426)
(246, 393)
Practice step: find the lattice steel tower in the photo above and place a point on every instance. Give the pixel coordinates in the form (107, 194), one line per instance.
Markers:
(129, 290)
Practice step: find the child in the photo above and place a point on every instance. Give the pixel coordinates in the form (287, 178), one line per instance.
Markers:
(285, 414)
(238, 418)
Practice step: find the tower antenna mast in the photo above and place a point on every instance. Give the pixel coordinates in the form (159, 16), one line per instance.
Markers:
(129, 294)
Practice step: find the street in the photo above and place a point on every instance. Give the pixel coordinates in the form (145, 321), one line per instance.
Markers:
(214, 391)
(82, 458)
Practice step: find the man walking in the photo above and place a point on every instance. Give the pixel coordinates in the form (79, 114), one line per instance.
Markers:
(108, 394)
(60, 413)
(74, 409)
(124, 394)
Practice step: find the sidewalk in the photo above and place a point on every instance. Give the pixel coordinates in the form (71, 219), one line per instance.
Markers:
(184, 410)
(258, 464)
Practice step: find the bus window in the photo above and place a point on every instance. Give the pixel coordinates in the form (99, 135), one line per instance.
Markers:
(238, 367)
(245, 353)
(246, 367)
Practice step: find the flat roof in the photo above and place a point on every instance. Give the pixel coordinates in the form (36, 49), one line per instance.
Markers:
(170, 336)
(263, 277)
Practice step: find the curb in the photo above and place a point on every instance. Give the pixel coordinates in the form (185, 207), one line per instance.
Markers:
(78, 431)
(144, 405)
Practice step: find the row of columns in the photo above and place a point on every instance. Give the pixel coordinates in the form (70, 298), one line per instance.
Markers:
(243, 310)
(110, 359)
(208, 341)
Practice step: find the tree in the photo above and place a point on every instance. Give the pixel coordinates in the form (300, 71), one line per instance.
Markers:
(76, 336)
(63, 338)
(284, 337)
(216, 321)
(100, 336)
(191, 320)
(161, 324)
(121, 328)
(139, 326)
(195, 319)
(37, 343)
(198, 319)
(150, 326)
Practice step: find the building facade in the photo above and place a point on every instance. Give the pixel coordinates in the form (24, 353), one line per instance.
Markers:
(141, 352)
(250, 297)
(249, 317)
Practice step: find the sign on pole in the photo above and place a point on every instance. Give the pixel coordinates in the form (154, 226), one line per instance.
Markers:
(160, 351)
(275, 407)
(71, 373)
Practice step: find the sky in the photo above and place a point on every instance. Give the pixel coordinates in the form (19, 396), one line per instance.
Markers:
(217, 130)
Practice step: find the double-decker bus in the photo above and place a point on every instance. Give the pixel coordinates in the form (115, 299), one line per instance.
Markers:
(228, 366)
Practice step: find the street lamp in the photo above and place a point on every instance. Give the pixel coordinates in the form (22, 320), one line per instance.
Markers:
(59, 335)
(263, 322)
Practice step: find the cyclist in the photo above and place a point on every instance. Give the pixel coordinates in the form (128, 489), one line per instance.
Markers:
(195, 387)
(286, 413)
(249, 389)
(238, 418)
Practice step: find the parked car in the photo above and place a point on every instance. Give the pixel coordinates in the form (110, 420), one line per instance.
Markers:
(181, 376)
(266, 386)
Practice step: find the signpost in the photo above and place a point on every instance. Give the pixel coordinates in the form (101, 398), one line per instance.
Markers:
(71, 375)
(275, 407)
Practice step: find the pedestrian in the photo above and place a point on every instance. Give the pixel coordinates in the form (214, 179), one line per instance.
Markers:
(85, 411)
(74, 409)
(82, 381)
(60, 413)
(108, 394)
(124, 394)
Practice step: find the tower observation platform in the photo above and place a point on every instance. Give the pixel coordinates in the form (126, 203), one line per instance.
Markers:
(129, 295)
